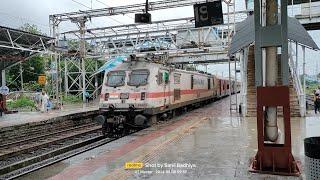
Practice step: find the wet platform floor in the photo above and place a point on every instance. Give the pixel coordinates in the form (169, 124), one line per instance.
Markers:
(207, 143)
(20, 118)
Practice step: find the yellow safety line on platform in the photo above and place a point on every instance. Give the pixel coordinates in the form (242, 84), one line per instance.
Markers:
(122, 173)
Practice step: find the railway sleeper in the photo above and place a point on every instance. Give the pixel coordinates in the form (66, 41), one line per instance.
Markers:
(43, 143)
(39, 158)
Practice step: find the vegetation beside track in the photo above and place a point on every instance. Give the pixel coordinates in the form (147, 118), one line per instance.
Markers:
(22, 103)
(71, 99)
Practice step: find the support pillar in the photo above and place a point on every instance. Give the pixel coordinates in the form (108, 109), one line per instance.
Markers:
(66, 79)
(21, 76)
(55, 34)
(96, 80)
(243, 91)
(229, 92)
(235, 83)
(297, 59)
(3, 78)
(82, 56)
(304, 80)
(273, 156)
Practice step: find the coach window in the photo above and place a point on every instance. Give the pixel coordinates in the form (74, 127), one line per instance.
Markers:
(159, 78)
(191, 81)
(139, 77)
(209, 84)
(176, 78)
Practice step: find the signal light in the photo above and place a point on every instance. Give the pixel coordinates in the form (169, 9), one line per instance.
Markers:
(143, 18)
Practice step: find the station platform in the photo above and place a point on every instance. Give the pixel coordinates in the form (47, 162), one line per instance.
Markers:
(207, 143)
(7, 120)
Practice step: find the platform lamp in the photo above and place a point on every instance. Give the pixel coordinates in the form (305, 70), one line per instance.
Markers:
(273, 157)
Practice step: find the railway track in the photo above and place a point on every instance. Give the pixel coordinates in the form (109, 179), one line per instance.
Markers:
(39, 147)
(46, 144)
(26, 148)
(25, 132)
(36, 137)
(22, 157)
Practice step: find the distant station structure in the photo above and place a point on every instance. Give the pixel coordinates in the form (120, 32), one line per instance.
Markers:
(177, 41)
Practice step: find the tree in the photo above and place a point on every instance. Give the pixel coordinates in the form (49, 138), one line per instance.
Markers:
(31, 28)
(32, 68)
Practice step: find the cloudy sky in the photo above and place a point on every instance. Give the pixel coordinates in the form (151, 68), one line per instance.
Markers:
(14, 13)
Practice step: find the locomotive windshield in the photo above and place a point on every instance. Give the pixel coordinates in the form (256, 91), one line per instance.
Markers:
(116, 78)
(138, 77)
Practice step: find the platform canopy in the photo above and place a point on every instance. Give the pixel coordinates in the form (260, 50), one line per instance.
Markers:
(17, 45)
(245, 35)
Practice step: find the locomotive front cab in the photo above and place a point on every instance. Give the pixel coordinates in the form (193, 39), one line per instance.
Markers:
(125, 89)
(123, 99)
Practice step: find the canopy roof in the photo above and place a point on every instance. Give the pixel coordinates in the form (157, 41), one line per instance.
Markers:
(245, 35)
(17, 45)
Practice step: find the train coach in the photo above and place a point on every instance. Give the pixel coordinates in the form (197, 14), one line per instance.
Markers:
(138, 93)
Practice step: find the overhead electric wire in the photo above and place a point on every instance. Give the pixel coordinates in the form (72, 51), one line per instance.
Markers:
(109, 16)
(91, 8)
(110, 6)
(81, 4)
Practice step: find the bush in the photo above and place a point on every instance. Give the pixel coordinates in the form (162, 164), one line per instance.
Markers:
(22, 102)
(72, 99)
(32, 86)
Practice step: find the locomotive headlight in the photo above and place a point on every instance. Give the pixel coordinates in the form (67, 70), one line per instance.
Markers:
(106, 97)
(143, 96)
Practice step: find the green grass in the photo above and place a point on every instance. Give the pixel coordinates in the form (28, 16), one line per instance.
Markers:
(72, 99)
(22, 102)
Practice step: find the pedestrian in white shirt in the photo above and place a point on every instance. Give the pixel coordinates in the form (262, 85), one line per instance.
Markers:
(44, 102)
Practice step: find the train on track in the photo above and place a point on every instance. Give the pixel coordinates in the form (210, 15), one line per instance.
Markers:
(139, 93)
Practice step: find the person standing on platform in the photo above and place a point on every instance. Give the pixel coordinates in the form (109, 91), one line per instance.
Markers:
(317, 100)
(37, 99)
(317, 91)
(44, 102)
(87, 95)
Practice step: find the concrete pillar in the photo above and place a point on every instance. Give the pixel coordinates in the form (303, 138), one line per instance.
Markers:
(304, 80)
